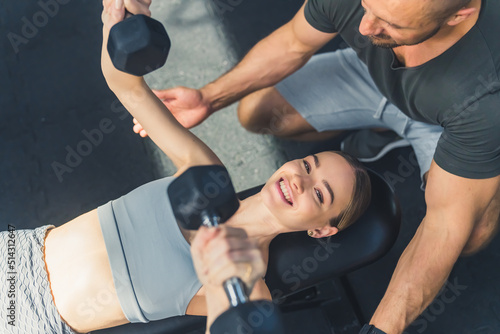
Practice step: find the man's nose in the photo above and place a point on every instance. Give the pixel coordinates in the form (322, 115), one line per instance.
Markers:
(369, 25)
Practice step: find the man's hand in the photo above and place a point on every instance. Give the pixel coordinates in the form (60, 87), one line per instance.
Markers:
(224, 252)
(187, 105)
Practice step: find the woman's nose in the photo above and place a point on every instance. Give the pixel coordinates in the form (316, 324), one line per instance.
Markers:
(299, 183)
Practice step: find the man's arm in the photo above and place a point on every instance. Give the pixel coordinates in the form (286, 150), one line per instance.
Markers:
(268, 62)
(271, 60)
(454, 206)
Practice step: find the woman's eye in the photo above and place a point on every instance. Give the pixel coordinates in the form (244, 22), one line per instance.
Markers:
(320, 195)
(306, 165)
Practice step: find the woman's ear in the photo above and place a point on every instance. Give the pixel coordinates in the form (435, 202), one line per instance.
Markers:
(325, 231)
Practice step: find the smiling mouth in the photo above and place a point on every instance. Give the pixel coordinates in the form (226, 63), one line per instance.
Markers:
(284, 191)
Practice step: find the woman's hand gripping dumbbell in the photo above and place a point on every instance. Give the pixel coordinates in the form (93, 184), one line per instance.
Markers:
(137, 44)
(219, 254)
(205, 196)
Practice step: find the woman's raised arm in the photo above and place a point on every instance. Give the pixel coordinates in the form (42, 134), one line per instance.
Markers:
(178, 143)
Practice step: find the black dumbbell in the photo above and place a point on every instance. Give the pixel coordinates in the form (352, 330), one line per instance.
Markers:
(258, 317)
(138, 45)
(204, 195)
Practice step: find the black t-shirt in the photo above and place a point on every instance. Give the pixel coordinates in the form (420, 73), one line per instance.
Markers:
(459, 90)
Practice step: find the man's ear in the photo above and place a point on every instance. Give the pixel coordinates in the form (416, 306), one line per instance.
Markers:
(462, 15)
(325, 231)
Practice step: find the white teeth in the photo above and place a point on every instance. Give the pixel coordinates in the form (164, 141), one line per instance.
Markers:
(285, 192)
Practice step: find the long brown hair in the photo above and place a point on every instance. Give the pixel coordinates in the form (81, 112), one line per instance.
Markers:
(361, 197)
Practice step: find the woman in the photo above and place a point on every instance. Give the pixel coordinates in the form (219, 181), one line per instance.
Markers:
(128, 261)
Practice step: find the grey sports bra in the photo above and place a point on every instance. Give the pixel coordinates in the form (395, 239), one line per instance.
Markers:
(150, 260)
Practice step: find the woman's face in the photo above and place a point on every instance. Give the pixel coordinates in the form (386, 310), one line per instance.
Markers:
(305, 194)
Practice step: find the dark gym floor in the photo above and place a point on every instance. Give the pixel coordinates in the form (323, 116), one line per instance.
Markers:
(52, 95)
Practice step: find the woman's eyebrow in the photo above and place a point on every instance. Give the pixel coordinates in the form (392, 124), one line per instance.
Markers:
(329, 190)
(316, 160)
(327, 185)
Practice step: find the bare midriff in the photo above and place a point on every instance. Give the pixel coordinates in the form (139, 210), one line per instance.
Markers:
(80, 275)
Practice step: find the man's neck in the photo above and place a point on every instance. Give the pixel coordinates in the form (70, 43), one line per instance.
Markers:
(416, 55)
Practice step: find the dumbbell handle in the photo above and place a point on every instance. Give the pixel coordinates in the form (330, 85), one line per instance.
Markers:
(235, 291)
(210, 220)
(234, 286)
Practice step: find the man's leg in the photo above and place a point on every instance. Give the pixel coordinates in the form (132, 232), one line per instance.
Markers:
(267, 112)
(332, 92)
(422, 137)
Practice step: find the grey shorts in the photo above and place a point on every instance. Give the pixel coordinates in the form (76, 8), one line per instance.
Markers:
(26, 300)
(334, 91)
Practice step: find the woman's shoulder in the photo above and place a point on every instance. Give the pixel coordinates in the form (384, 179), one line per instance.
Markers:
(158, 184)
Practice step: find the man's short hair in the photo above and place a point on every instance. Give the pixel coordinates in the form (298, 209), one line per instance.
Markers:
(443, 9)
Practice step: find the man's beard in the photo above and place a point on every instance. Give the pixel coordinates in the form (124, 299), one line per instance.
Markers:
(386, 41)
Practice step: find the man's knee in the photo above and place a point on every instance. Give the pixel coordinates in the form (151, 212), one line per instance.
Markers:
(250, 113)
(266, 112)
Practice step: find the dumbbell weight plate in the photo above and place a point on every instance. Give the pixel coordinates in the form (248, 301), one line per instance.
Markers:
(258, 317)
(138, 45)
(202, 190)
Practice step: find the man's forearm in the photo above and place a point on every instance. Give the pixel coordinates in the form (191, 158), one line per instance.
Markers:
(420, 274)
(267, 63)
(454, 206)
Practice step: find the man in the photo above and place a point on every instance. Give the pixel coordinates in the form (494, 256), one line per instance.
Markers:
(428, 61)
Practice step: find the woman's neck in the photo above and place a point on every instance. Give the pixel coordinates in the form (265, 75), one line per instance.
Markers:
(256, 220)
(253, 217)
